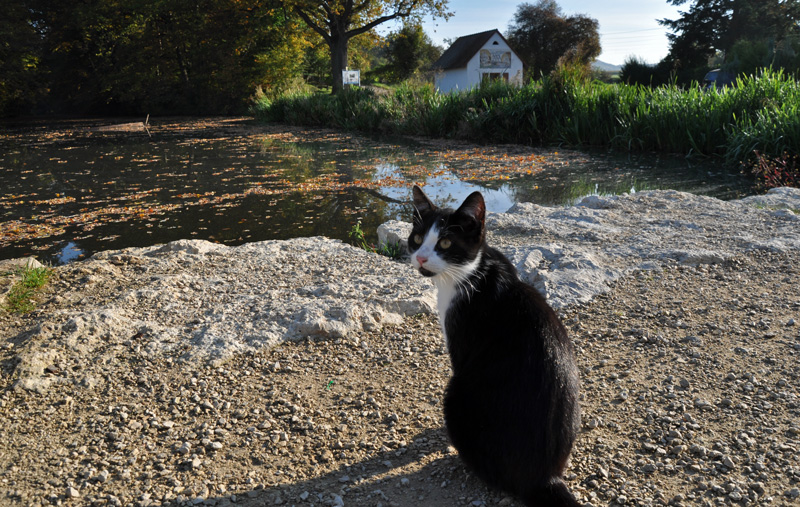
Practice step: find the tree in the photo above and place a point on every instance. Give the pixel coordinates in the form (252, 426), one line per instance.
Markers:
(361, 51)
(338, 21)
(541, 35)
(711, 26)
(637, 71)
(409, 50)
(317, 64)
(148, 56)
(20, 70)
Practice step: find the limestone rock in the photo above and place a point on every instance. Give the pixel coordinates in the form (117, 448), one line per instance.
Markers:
(204, 301)
(208, 301)
(394, 232)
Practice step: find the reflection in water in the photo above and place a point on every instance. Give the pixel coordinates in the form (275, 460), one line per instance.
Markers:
(597, 191)
(448, 190)
(238, 183)
(69, 253)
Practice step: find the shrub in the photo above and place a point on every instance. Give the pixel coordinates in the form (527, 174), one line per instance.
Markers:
(783, 171)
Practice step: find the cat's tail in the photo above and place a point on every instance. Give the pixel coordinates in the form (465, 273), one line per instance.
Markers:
(554, 494)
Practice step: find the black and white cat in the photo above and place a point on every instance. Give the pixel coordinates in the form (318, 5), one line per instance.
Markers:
(511, 406)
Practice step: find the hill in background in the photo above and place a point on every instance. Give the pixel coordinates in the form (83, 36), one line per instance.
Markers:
(607, 67)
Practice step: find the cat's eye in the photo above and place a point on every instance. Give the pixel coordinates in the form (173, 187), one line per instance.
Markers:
(444, 243)
(417, 239)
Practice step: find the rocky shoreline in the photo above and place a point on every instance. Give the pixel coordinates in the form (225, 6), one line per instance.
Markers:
(309, 372)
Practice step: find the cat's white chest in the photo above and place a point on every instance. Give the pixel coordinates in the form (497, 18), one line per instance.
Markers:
(446, 294)
(452, 287)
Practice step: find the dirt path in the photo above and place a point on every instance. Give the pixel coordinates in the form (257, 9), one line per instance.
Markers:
(690, 384)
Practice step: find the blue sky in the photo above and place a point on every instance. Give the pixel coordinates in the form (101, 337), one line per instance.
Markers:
(627, 27)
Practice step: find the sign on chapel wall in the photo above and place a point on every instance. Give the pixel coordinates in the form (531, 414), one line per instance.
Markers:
(493, 59)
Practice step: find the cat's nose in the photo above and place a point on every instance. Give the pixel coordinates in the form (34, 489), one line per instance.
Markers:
(422, 260)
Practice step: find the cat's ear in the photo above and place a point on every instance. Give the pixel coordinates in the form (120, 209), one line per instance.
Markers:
(474, 207)
(422, 205)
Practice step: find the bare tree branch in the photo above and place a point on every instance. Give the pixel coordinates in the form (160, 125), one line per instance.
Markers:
(307, 20)
(369, 26)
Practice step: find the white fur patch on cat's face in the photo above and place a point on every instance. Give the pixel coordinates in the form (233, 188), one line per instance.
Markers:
(428, 260)
(448, 278)
(426, 256)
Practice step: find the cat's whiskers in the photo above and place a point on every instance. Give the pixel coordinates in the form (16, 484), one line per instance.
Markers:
(462, 277)
(469, 285)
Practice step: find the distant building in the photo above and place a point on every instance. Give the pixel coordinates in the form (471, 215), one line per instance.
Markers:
(473, 59)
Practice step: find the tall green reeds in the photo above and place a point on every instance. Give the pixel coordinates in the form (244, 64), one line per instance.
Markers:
(759, 113)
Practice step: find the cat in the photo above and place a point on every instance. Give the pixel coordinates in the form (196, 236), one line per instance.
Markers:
(511, 406)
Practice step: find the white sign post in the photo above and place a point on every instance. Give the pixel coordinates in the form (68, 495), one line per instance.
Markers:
(351, 77)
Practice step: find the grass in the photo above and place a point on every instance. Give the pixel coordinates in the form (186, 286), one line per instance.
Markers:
(760, 113)
(22, 296)
(357, 234)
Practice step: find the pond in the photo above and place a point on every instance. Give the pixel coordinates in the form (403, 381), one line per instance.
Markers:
(71, 188)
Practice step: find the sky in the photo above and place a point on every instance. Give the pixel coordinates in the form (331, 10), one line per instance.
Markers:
(627, 27)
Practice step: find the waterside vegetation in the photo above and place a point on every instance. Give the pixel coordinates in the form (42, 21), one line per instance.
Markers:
(22, 296)
(359, 239)
(755, 123)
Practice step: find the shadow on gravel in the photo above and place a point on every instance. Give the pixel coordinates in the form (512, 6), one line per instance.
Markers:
(22, 338)
(427, 474)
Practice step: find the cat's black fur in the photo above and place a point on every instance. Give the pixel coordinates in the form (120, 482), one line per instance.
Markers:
(511, 406)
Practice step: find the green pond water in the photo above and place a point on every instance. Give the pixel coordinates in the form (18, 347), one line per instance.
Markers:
(71, 188)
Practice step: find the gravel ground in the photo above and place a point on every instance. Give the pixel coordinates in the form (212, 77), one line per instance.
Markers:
(690, 384)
